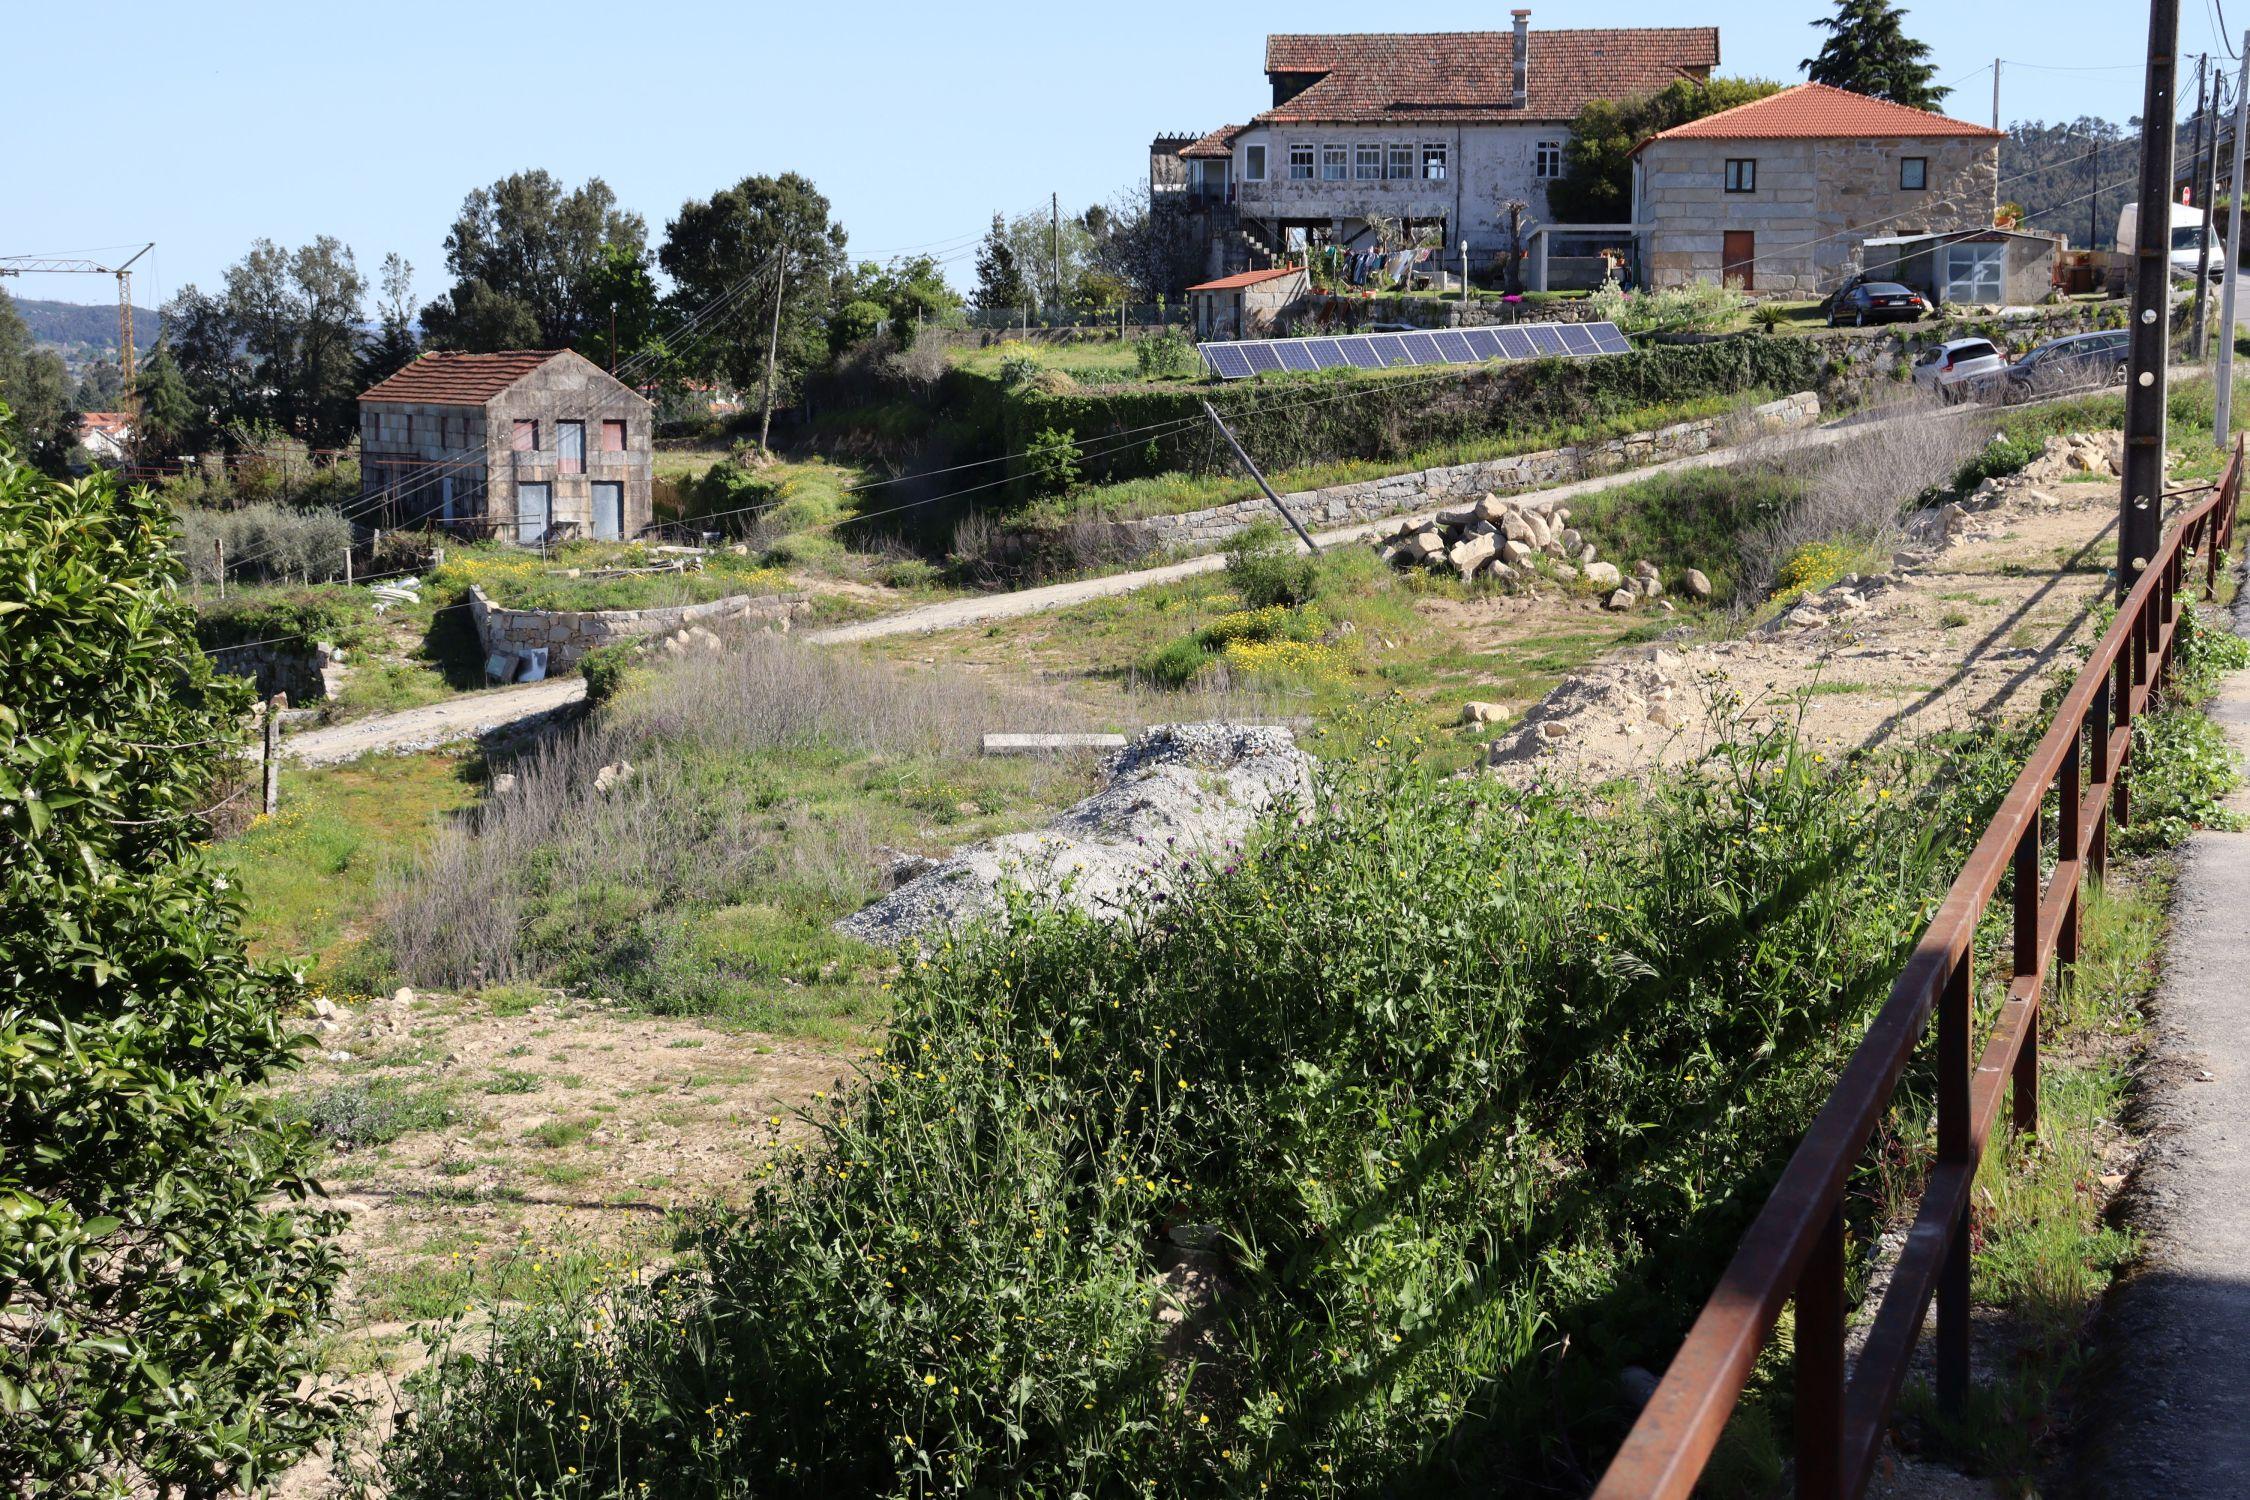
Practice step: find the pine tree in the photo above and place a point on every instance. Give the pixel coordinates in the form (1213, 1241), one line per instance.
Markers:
(1869, 52)
(1000, 282)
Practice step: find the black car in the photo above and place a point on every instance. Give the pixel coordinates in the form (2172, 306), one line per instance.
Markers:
(1876, 302)
(2071, 362)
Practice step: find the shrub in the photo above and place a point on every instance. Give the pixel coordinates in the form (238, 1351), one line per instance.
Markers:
(1053, 460)
(1265, 568)
(165, 1281)
(605, 669)
(1019, 365)
(263, 542)
(1471, 1112)
(340, 616)
(1164, 356)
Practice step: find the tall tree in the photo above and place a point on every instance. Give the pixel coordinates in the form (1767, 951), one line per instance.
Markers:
(1000, 281)
(394, 345)
(1869, 52)
(215, 370)
(1597, 182)
(723, 254)
(622, 301)
(527, 260)
(1145, 244)
(295, 315)
(101, 387)
(167, 418)
(34, 382)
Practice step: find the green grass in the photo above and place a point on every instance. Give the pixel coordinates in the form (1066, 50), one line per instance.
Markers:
(516, 579)
(308, 876)
(1171, 494)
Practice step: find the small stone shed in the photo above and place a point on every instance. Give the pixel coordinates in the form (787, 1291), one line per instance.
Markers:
(1778, 195)
(1997, 266)
(1248, 305)
(528, 445)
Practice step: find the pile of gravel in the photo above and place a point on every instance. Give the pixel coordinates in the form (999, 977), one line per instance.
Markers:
(1175, 793)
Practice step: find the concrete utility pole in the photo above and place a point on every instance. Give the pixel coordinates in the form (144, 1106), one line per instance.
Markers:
(773, 349)
(1054, 245)
(2234, 255)
(2205, 167)
(2140, 516)
(1259, 474)
(1996, 93)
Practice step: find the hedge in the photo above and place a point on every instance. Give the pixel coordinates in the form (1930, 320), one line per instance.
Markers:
(1295, 421)
(339, 615)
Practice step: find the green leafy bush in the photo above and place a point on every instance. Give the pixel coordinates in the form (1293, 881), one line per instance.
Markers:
(605, 669)
(263, 542)
(1464, 1115)
(1164, 356)
(2183, 768)
(338, 615)
(1266, 569)
(1052, 459)
(165, 1280)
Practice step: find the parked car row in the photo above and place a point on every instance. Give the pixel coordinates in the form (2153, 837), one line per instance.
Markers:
(1967, 368)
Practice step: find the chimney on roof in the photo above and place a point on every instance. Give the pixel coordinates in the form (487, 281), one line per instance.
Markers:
(1522, 91)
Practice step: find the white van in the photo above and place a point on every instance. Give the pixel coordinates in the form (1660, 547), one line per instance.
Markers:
(2188, 228)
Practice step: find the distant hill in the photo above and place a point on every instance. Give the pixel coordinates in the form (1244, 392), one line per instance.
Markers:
(72, 325)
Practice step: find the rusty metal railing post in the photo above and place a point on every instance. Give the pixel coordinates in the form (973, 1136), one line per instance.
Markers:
(1820, 1364)
(2098, 728)
(2121, 709)
(2070, 842)
(1955, 1017)
(2025, 1078)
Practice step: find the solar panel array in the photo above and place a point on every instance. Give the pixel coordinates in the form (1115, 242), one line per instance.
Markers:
(1381, 351)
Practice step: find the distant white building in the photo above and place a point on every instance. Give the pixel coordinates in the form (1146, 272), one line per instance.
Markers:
(104, 435)
(1435, 130)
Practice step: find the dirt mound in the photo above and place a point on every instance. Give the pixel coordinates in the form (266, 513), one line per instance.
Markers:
(1176, 793)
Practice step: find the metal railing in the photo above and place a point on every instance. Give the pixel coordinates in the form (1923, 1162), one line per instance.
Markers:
(1794, 1249)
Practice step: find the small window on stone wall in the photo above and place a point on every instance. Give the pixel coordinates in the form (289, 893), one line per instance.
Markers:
(1913, 173)
(1742, 174)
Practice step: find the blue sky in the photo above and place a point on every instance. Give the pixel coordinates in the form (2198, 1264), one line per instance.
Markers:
(369, 122)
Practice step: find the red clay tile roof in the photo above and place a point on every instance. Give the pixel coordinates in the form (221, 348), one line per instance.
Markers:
(1469, 76)
(105, 421)
(1219, 142)
(1245, 278)
(1820, 111)
(449, 379)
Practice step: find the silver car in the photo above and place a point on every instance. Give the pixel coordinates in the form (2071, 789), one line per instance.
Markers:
(1957, 367)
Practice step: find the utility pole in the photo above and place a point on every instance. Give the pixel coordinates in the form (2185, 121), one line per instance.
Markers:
(2094, 199)
(2234, 256)
(2205, 167)
(1258, 474)
(773, 348)
(1996, 93)
(2140, 516)
(1054, 245)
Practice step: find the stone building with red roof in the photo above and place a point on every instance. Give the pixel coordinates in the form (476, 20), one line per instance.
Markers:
(1799, 191)
(1436, 131)
(529, 445)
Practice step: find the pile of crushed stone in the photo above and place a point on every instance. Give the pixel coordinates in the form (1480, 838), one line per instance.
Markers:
(1174, 795)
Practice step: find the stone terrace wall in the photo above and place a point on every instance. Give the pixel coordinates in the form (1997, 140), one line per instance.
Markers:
(568, 634)
(1373, 499)
(307, 673)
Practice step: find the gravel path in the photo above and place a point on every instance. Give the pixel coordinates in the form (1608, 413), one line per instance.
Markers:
(2177, 1407)
(434, 724)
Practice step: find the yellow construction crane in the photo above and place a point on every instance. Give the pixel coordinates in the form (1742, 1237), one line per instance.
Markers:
(18, 265)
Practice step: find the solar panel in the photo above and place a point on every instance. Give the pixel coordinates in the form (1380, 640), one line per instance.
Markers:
(1483, 343)
(1422, 348)
(1227, 361)
(1454, 348)
(1378, 351)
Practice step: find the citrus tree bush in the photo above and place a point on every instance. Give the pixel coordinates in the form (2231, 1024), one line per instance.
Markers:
(164, 1281)
(1452, 1097)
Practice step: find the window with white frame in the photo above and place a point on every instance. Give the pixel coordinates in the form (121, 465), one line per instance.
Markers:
(1402, 162)
(1367, 163)
(1333, 164)
(1300, 163)
(1742, 174)
(1546, 160)
(1433, 162)
(1253, 164)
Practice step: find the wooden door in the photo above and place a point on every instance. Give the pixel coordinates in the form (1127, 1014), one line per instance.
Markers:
(1738, 258)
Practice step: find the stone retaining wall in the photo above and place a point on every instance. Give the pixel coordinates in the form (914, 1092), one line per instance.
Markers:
(307, 673)
(1373, 499)
(568, 634)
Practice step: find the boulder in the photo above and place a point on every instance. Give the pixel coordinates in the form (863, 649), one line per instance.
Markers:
(1473, 554)
(1493, 507)
(1540, 536)
(1516, 528)
(1458, 515)
(1644, 569)
(1622, 599)
(1571, 541)
(615, 774)
(1696, 583)
(1602, 575)
(503, 784)
(1516, 552)
(1650, 585)
(1586, 553)
(1483, 713)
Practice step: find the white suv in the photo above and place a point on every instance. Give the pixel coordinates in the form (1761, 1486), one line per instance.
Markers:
(1957, 367)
